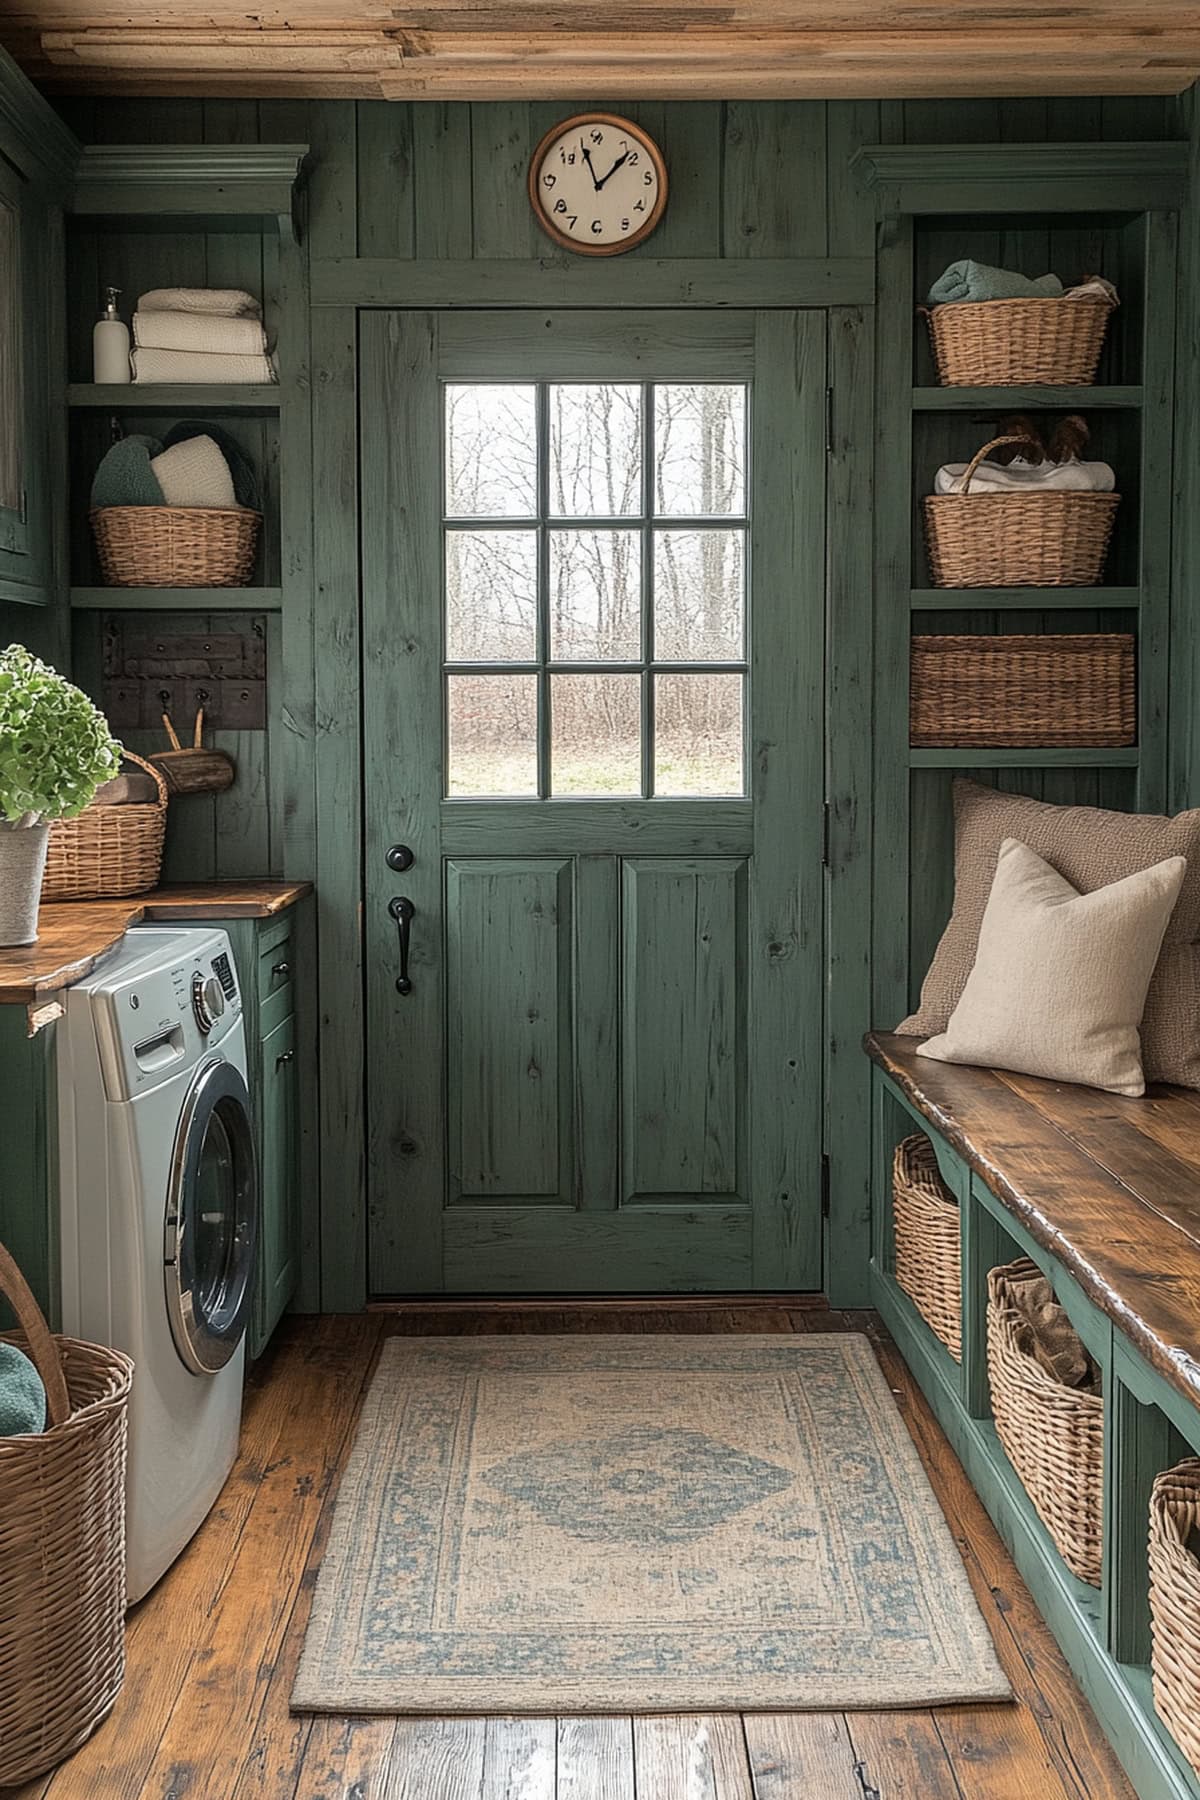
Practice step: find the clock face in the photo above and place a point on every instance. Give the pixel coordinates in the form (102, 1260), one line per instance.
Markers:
(598, 184)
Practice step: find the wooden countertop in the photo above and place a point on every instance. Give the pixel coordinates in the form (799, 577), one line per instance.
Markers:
(74, 934)
(1109, 1186)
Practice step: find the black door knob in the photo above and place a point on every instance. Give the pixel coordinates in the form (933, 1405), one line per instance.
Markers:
(399, 857)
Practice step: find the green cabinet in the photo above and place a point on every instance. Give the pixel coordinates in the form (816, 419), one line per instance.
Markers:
(265, 958)
(279, 1219)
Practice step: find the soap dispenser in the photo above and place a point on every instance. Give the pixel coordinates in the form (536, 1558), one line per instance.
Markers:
(110, 344)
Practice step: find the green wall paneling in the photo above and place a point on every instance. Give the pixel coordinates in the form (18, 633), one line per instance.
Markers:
(388, 184)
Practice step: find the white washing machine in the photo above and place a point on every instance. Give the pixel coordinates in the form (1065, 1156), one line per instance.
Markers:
(159, 1214)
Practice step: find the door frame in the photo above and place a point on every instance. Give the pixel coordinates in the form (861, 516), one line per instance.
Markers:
(788, 440)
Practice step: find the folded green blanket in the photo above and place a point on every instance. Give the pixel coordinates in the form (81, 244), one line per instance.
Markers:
(22, 1396)
(969, 280)
(124, 477)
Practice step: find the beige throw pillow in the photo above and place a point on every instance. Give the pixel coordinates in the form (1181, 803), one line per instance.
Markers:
(1060, 977)
(1091, 847)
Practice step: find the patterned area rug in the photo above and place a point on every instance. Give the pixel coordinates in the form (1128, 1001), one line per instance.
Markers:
(640, 1524)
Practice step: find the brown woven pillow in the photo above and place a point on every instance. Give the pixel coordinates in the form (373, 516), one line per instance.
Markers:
(1091, 848)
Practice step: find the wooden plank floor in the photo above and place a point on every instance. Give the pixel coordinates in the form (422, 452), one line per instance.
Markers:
(212, 1652)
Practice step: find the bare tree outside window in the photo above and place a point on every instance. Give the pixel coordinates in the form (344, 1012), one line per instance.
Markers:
(627, 548)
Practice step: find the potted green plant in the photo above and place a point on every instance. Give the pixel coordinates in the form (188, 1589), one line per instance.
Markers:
(55, 750)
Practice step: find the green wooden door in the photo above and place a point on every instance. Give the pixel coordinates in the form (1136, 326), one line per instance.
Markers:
(593, 577)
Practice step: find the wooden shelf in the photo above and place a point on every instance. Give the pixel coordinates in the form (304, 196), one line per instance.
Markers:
(1005, 399)
(1030, 599)
(253, 185)
(1055, 757)
(134, 397)
(149, 599)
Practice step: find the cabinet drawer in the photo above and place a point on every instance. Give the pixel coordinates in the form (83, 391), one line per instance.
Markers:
(274, 970)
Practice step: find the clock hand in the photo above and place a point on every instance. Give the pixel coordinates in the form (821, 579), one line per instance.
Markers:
(613, 170)
(587, 157)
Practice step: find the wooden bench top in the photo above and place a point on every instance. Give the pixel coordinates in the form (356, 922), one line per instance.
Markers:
(1110, 1186)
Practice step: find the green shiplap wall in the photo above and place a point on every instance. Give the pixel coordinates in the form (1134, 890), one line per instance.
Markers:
(446, 182)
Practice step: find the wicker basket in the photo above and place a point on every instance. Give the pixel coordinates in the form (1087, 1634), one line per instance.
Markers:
(1017, 540)
(176, 546)
(108, 850)
(1175, 1603)
(998, 343)
(928, 1240)
(1074, 690)
(62, 1548)
(1052, 1435)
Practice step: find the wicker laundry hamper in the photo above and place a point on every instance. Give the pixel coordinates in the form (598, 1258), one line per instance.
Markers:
(176, 546)
(1016, 540)
(1052, 1435)
(62, 1548)
(1073, 689)
(108, 851)
(927, 1227)
(1175, 1603)
(1038, 341)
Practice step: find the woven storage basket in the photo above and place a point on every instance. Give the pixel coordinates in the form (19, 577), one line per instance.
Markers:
(176, 546)
(1075, 689)
(62, 1548)
(1175, 1603)
(1052, 1435)
(1016, 540)
(108, 850)
(928, 1241)
(994, 343)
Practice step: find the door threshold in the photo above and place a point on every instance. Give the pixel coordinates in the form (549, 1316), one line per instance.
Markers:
(597, 1302)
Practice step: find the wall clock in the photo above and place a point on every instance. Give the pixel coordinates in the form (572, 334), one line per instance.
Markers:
(598, 184)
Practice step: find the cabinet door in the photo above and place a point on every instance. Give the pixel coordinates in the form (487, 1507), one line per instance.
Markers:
(14, 422)
(278, 1224)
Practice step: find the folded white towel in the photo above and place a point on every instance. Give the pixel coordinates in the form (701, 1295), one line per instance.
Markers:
(194, 473)
(188, 367)
(223, 303)
(1021, 477)
(198, 331)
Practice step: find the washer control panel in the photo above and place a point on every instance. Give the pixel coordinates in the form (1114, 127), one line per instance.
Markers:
(168, 999)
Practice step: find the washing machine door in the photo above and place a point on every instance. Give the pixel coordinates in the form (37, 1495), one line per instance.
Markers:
(212, 1219)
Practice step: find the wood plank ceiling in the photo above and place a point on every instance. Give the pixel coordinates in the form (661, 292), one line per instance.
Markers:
(565, 49)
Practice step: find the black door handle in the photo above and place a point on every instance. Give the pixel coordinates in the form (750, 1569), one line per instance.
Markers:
(400, 857)
(402, 910)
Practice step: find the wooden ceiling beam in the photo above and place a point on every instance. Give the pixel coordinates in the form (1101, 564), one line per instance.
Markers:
(459, 51)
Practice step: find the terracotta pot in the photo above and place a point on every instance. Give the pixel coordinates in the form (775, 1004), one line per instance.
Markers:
(22, 864)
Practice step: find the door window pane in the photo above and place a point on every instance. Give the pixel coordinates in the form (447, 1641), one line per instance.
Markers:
(595, 451)
(595, 596)
(698, 735)
(596, 741)
(491, 596)
(491, 451)
(699, 450)
(699, 595)
(492, 734)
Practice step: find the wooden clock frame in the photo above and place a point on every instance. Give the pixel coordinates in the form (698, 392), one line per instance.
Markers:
(645, 142)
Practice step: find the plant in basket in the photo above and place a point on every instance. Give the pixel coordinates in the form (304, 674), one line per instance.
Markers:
(55, 750)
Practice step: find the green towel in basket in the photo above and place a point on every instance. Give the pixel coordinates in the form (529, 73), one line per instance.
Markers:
(967, 280)
(124, 477)
(22, 1396)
